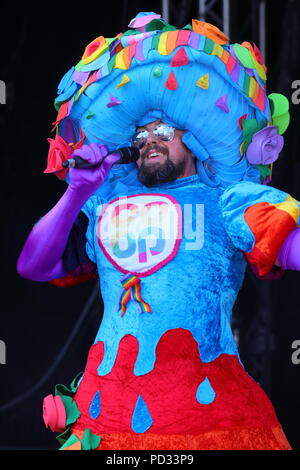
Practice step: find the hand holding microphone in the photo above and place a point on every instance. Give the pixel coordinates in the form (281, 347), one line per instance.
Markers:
(126, 155)
(90, 165)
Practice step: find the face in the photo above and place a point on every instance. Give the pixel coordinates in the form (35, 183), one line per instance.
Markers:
(162, 161)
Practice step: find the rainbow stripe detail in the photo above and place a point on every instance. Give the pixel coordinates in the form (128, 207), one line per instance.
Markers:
(261, 219)
(132, 290)
(117, 54)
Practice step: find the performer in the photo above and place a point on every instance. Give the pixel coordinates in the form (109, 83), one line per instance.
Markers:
(170, 236)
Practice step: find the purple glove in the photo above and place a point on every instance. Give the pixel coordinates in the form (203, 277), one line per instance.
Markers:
(41, 257)
(88, 180)
(289, 253)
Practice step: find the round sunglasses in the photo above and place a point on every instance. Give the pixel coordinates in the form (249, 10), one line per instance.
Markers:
(163, 132)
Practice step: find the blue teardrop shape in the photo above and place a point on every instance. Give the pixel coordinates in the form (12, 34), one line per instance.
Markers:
(205, 393)
(141, 418)
(95, 406)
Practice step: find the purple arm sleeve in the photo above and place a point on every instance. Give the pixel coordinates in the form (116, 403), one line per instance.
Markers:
(289, 253)
(41, 257)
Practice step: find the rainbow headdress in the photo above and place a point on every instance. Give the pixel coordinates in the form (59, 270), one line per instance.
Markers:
(191, 78)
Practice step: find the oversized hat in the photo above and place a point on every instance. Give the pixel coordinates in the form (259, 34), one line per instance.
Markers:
(191, 78)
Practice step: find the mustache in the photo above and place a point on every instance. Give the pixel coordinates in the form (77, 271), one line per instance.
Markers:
(156, 148)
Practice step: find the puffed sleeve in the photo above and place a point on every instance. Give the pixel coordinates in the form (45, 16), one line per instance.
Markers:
(258, 219)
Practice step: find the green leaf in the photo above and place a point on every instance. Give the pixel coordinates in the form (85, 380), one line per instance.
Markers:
(72, 439)
(279, 104)
(89, 441)
(129, 32)
(244, 56)
(281, 122)
(159, 25)
(250, 127)
(264, 170)
(62, 438)
(62, 390)
(72, 411)
(74, 383)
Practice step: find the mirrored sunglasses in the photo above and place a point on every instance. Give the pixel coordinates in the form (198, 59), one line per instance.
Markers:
(163, 132)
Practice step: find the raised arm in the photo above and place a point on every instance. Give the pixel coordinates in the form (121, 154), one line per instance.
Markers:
(41, 257)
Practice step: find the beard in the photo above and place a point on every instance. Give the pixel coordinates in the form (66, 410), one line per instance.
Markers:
(154, 174)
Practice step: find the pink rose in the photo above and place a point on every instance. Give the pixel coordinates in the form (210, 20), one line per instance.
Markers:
(54, 413)
(265, 146)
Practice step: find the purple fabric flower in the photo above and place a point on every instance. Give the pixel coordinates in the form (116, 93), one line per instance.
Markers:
(265, 146)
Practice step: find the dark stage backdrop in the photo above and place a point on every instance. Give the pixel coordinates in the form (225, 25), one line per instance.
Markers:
(38, 320)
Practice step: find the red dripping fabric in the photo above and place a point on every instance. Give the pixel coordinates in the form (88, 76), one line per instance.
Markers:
(241, 413)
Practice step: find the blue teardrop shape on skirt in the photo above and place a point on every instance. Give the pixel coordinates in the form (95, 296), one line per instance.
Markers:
(95, 406)
(141, 418)
(205, 393)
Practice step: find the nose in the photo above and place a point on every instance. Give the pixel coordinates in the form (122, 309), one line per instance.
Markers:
(152, 138)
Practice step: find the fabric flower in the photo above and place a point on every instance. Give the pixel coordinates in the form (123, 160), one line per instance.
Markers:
(142, 19)
(66, 81)
(265, 146)
(66, 88)
(210, 31)
(54, 413)
(59, 151)
(255, 52)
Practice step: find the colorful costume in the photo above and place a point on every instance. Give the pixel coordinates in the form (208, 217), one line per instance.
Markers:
(164, 370)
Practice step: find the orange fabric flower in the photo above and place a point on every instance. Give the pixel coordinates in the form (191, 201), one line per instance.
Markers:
(210, 31)
(93, 46)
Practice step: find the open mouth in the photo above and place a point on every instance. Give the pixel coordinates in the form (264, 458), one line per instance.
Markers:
(153, 155)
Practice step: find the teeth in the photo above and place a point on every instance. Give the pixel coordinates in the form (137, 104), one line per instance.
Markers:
(155, 154)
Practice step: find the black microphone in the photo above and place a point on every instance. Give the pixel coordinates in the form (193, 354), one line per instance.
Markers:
(127, 155)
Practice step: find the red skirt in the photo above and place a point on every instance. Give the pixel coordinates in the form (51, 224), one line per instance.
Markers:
(240, 417)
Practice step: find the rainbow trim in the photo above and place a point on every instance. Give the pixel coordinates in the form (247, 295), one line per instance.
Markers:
(251, 82)
(132, 290)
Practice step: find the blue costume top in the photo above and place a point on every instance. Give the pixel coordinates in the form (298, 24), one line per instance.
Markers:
(188, 258)
(177, 292)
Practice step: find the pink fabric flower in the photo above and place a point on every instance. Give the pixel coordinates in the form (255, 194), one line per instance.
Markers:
(142, 19)
(54, 413)
(265, 146)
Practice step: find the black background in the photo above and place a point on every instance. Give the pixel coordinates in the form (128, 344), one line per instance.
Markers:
(38, 46)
